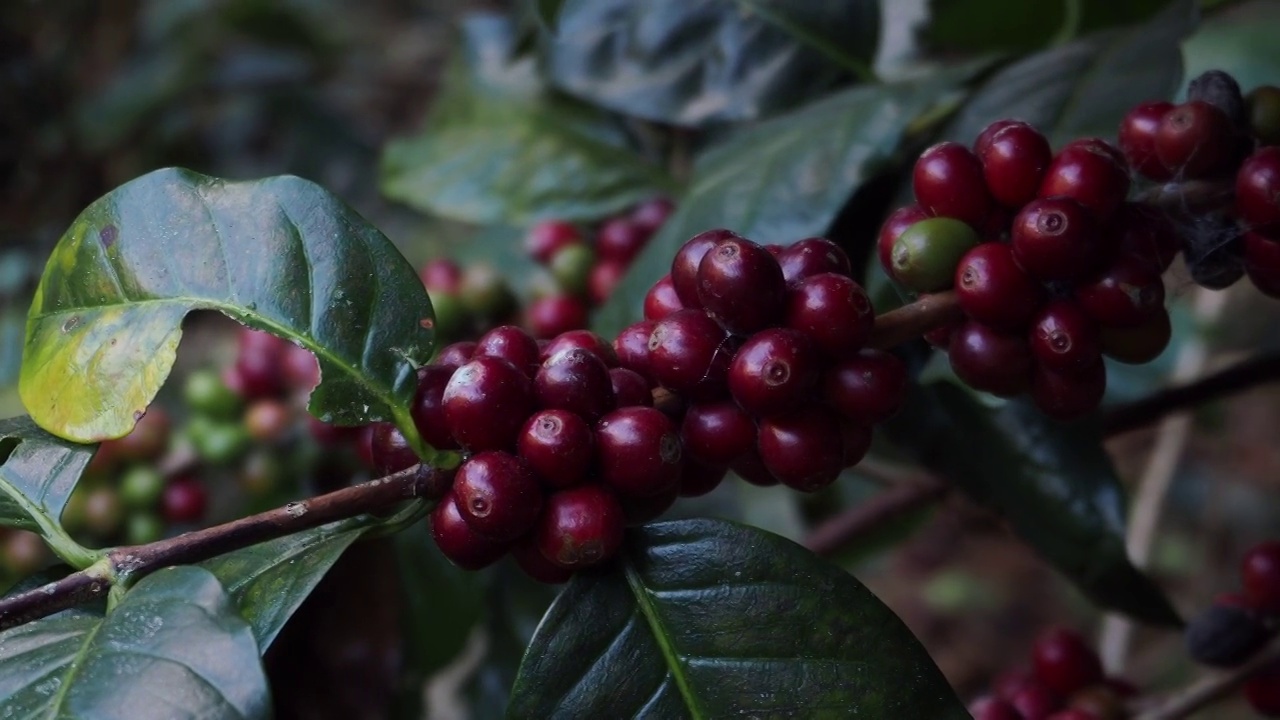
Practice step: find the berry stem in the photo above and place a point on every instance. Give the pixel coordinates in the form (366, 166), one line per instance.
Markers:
(1208, 690)
(915, 319)
(125, 565)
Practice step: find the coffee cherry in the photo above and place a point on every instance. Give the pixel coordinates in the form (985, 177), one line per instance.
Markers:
(741, 286)
(1092, 173)
(684, 266)
(640, 510)
(1138, 345)
(984, 138)
(1260, 574)
(652, 213)
(103, 511)
(584, 340)
(994, 290)
(774, 371)
(602, 279)
(1258, 191)
(428, 406)
(1014, 161)
(391, 452)
(1262, 263)
(1063, 338)
(940, 337)
(833, 311)
(717, 433)
(1138, 139)
(751, 468)
(867, 388)
(215, 442)
(989, 360)
(948, 182)
(1069, 395)
(1035, 701)
(457, 541)
(1219, 89)
(661, 300)
(803, 449)
(698, 479)
(22, 553)
(485, 293)
(268, 420)
(632, 348)
(1064, 662)
(147, 440)
(512, 344)
(141, 528)
(580, 527)
(1073, 714)
(141, 486)
(926, 254)
(1127, 293)
(364, 445)
(894, 225)
(1262, 690)
(621, 239)
(638, 451)
(549, 316)
(629, 389)
(575, 380)
(855, 441)
(1146, 234)
(205, 392)
(992, 708)
(546, 238)
(497, 494)
(441, 275)
(812, 256)
(486, 402)
(558, 446)
(1264, 114)
(1056, 239)
(183, 501)
(456, 354)
(690, 354)
(1227, 633)
(536, 565)
(1196, 140)
(300, 368)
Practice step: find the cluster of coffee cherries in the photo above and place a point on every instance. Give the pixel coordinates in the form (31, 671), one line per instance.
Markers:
(1052, 263)
(1065, 682)
(585, 265)
(467, 302)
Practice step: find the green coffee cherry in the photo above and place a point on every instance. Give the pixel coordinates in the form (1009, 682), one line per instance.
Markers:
(206, 393)
(1264, 113)
(143, 528)
(140, 487)
(571, 267)
(452, 316)
(217, 443)
(925, 256)
(485, 293)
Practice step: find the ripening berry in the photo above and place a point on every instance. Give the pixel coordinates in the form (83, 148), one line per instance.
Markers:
(652, 213)
(580, 527)
(640, 510)
(428, 406)
(1137, 345)
(1069, 395)
(390, 450)
(803, 449)
(661, 300)
(631, 347)
(812, 256)
(775, 370)
(456, 354)
(867, 388)
(948, 182)
(575, 380)
(994, 290)
(629, 388)
(1145, 233)
(894, 225)
(1092, 173)
(1258, 191)
(740, 285)
(1196, 140)
(1035, 701)
(1126, 293)
(993, 708)
(638, 451)
(552, 315)
(1014, 161)
(441, 275)
(534, 564)
(571, 267)
(457, 541)
(582, 340)
(497, 494)
(621, 239)
(1056, 239)
(558, 446)
(925, 257)
(1063, 338)
(833, 311)
(1262, 263)
(486, 402)
(512, 344)
(989, 360)
(546, 238)
(717, 433)
(751, 468)
(603, 277)
(690, 354)
(684, 266)
(1138, 139)
(698, 479)
(184, 501)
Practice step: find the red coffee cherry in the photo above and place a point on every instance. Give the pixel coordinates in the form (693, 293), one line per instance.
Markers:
(992, 708)
(486, 402)
(629, 389)
(984, 138)
(546, 238)
(867, 388)
(1069, 395)
(1092, 173)
(1035, 701)
(948, 182)
(652, 213)
(1014, 161)
(774, 371)
(803, 449)
(640, 510)
(1196, 140)
(1262, 263)
(552, 315)
(575, 380)
(456, 354)
(256, 374)
(184, 501)
(497, 494)
(812, 256)
(1127, 293)
(1260, 573)
(390, 451)
(1146, 234)
(741, 286)
(603, 277)
(621, 239)
(1065, 662)
(989, 360)
(1073, 714)
(457, 541)
(994, 290)
(833, 311)
(1063, 338)
(441, 275)
(536, 565)
(1056, 239)
(698, 479)
(299, 367)
(1137, 345)
(267, 420)
(894, 225)
(1262, 690)
(582, 340)
(1258, 191)
(638, 451)
(511, 344)
(717, 433)
(580, 527)
(1138, 139)
(684, 266)
(558, 446)
(632, 348)
(855, 442)
(690, 354)
(751, 468)
(661, 300)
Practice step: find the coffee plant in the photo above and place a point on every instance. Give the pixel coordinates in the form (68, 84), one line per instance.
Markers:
(719, 251)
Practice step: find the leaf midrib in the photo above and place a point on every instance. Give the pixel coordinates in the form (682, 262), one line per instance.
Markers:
(661, 635)
(77, 663)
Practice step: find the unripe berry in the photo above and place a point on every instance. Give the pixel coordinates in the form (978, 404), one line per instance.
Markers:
(831, 310)
(1127, 293)
(925, 257)
(804, 449)
(989, 360)
(741, 286)
(571, 267)
(1258, 191)
(1063, 338)
(717, 433)
(546, 238)
(141, 486)
(1092, 173)
(994, 290)
(812, 256)
(428, 406)
(1064, 662)
(690, 354)
(774, 371)
(268, 420)
(638, 451)
(457, 541)
(497, 494)
(183, 501)
(867, 388)
(621, 239)
(485, 293)
(1262, 263)
(580, 527)
(661, 300)
(391, 452)
(684, 266)
(629, 389)
(1014, 161)
(1138, 139)
(894, 225)
(1196, 140)
(632, 348)
(948, 182)
(141, 528)
(1070, 395)
(1138, 345)
(602, 279)
(575, 380)
(558, 446)
(549, 316)
(486, 402)
(583, 340)
(1056, 239)
(206, 393)
(1260, 574)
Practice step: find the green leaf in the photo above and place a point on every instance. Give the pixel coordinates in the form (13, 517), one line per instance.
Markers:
(675, 629)
(549, 13)
(1019, 26)
(783, 179)
(715, 61)
(1053, 483)
(173, 646)
(279, 254)
(1083, 88)
(1239, 40)
(441, 603)
(499, 148)
(38, 475)
(270, 580)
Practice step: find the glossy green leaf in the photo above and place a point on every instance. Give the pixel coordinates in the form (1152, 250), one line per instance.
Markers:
(1054, 483)
(500, 148)
(1018, 26)
(696, 63)
(1083, 88)
(782, 179)
(38, 475)
(1240, 40)
(279, 254)
(703, 619)
(270, 580)
(173, 647)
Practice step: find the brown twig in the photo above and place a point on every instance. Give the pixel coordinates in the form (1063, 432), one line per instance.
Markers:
(1209, 690)
(127, 564)
(915, 319)
(869, 517)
